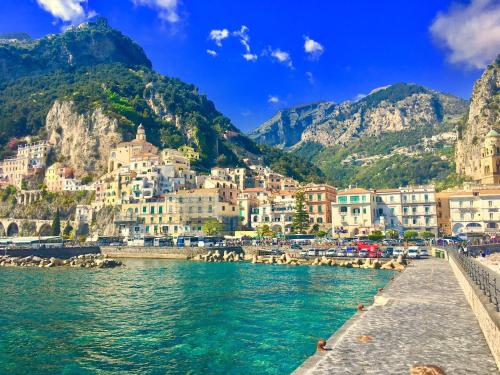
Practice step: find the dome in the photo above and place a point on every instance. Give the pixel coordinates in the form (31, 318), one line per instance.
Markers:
(493, 133)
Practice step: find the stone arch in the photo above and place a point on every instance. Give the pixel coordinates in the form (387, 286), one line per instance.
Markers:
(12, 230)
(28, 228)
(45, 230)
(457, 228)
(2, 230)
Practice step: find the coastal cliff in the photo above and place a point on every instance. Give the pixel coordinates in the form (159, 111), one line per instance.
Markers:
(81, 140)
(484, 114)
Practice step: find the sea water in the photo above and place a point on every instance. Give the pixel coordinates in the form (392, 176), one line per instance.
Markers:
(174, 317)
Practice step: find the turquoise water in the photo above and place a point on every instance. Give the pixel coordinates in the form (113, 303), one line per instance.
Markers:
(174, 317)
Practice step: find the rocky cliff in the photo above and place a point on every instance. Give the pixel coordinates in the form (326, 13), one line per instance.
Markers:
(390, 109)
(484, 114)
(81, 140)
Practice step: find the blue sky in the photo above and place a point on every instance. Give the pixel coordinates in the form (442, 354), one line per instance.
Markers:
(296, 51)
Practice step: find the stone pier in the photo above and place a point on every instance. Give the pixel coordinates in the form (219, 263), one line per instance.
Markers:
(421, 318)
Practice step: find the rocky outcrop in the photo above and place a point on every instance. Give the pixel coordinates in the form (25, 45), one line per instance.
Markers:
(82, 141)
(484, 114)
(390, 109)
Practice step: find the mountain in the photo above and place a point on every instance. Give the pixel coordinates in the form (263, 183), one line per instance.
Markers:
(483, 115)
(382, 140)
(90, 87)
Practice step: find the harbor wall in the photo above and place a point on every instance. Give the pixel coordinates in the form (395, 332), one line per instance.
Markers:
(56, 252)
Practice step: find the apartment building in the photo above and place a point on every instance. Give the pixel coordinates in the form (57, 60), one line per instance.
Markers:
(475, 211)
(276, 211)
(361, 211)
(249, 200)
(443, 213)
(319, 199)
(179, 213)
(29, 158)
(235, 175)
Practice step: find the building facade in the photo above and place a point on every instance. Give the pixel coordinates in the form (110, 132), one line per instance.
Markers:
(319, 199)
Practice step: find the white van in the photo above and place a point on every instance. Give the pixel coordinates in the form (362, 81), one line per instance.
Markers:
(413, 252)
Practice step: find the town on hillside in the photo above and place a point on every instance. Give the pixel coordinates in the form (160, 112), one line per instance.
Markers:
(155, 193)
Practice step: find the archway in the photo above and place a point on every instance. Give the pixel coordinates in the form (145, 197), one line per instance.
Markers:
(12, 230)
(457, 228)
(45, 230)
(28, 228)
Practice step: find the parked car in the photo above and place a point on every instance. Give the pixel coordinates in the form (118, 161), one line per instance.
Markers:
(419, 243)
(341, 253)
(303, 253)
(277, 252)
(388, 252)
(363, 253)
(330, 252)
(424, 252)
(295, 246)
(413, 252)
(312, 252)
(398, 251)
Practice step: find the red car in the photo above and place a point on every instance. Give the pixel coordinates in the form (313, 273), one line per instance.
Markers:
(373, 250)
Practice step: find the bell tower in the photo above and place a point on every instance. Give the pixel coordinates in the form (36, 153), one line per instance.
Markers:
(490, 158)
(141, 133)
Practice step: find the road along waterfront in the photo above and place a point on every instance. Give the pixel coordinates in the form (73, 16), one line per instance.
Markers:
(421, 318)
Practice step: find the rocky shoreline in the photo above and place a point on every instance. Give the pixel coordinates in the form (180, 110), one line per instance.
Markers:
(216, 256)
(81, 261)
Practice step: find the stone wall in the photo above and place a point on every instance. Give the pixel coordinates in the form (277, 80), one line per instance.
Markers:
(487, 317)
(56, 252)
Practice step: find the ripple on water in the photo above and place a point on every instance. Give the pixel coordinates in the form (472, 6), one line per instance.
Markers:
(157, 317)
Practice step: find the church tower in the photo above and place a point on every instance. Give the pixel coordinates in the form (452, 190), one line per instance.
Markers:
(141, 133)
(490, 158)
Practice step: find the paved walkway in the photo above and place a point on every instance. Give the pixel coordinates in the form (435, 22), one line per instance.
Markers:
(422, 317)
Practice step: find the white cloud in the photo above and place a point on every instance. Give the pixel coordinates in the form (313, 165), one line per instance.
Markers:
(250, 57)
(211, 52)
(310, 78)
(471, 32)
(218, 36)
(167, 9)
(72, 11)
(282, 57)
(313, 48)
(273, 99)
(242, 34)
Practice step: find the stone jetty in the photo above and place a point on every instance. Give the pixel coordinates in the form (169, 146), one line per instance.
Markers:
(81, 261)
(287, 259)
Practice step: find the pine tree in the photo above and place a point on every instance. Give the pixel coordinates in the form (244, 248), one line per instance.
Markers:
(56, 224)
(300, 221)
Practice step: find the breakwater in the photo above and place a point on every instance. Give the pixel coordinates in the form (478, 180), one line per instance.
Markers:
(81, 261)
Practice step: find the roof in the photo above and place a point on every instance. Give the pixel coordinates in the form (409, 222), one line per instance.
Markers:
(387, 190)
(354, 191)
(493, 133)
(253, 190)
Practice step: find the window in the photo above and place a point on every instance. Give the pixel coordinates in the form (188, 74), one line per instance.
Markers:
(405, 210)
(152, 210)
(310, 208)
(413, 198)
(363, 198)
(320, 209)
(426, 197)
(427, 209)
(405, 221)
(354, 198)
(490, 203)
(343, 209)
(414, 220)
(342, 199)
(427, 221)
(392, 211)
(144, 209)
(160, 209)
(310, 197)
(320, 220)
(414, 210)
(364, 210)
(391, 198)
(319, 197)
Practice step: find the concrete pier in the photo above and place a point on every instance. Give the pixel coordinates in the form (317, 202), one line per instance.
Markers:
(421, 318)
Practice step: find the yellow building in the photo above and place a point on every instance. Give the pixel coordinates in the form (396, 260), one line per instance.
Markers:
(29, 158)
(170, 156)
(125, 152)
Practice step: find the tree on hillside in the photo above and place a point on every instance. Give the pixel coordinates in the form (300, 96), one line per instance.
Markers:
(212, 227)
(67, 230)
(56, 224)
(300, 221)
(376, 235)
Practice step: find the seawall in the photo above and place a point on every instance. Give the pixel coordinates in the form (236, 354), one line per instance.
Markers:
(56, 252)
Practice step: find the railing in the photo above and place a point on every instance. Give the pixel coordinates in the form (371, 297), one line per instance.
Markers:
(484, 278)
